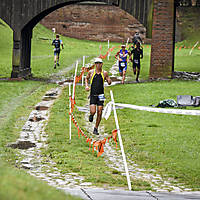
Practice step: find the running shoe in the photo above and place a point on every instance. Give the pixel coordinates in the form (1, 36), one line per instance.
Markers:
(95, 131)
(91, 118)
(58, 64)
(55, 66)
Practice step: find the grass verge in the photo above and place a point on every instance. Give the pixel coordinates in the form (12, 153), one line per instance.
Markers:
(167, 143)
(16, 184)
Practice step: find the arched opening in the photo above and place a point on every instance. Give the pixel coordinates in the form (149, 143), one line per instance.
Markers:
(62, 19)
(94, 21)
(26, 16)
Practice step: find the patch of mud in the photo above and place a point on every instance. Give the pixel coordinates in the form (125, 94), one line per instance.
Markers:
(22, 144)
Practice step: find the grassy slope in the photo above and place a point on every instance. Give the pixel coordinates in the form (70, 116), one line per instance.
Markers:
(6, 50)
(16, 102)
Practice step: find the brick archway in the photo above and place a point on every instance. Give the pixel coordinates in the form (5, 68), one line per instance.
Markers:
(22, 16)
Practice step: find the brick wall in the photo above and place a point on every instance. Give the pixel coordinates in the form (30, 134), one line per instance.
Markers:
(94, 22)
(162, 50)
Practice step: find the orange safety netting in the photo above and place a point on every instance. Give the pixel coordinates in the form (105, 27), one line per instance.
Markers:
(107, 53)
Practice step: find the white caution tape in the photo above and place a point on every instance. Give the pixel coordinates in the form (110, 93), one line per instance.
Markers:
(160, 110)
(108, 109)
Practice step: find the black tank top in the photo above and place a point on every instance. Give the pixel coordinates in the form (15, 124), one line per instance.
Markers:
(97, 86)
(56, 43)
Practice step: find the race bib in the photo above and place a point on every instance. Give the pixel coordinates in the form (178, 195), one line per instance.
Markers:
(136, 61)
(123, 64)
(101, 97)
(56, 49)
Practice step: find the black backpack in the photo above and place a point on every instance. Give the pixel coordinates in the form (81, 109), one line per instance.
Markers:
(167, 103)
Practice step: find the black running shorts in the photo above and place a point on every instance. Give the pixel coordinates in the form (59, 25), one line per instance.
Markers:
(136, 65)
(94, 100)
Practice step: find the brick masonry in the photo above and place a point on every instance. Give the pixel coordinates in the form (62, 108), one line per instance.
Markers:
(94, 22)
(162, 50)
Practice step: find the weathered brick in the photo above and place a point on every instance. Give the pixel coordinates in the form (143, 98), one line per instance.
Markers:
(162, 39)
(94, 22)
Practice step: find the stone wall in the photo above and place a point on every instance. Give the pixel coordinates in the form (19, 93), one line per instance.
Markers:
(94, 22)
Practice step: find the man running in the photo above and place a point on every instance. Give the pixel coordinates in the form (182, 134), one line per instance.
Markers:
(121, 56)
(97, 77)
(57, 42)
(137, 55)
(136, 38)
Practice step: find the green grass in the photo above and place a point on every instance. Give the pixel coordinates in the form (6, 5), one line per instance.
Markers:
(16, 184)
(168, 143)
(18, 99)
(6, 50)
(186, 62)
(70, 157)
(73, 49)
(190, 30)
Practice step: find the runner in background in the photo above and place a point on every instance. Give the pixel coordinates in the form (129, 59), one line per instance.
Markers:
(122, 57)
(137, 38)
(137, 55)
(57, 43)
(96, 77)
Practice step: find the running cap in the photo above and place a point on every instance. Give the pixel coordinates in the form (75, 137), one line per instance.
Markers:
(98, 60)
(123, 45)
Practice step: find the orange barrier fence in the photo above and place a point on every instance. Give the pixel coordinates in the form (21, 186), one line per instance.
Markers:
(184, 47)
(109, 50)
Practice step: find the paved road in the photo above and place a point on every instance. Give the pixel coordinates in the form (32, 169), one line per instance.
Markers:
(101, 194)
